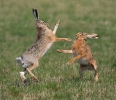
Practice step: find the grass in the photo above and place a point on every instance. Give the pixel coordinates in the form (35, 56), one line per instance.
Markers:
(57, 80)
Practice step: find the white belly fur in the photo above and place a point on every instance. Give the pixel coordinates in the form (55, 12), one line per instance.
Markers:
(83, 61)
(48, 47)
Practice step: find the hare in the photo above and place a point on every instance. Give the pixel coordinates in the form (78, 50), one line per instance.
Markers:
(82, 53)
(44, 40)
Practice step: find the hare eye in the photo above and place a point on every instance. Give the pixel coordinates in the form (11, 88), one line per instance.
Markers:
(43, 22)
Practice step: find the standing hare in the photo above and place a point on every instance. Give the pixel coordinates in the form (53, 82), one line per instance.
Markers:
(82, 53)
(44, 40)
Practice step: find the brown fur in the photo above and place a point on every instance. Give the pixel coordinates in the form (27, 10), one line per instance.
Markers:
(44, 40)
(82, 53)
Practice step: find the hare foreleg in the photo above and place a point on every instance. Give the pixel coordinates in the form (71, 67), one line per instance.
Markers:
(65, 51)
(63, 39)
(75, 58)
(56, 27)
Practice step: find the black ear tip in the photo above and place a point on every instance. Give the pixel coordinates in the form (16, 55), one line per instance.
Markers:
(33, 9)
(35, 13)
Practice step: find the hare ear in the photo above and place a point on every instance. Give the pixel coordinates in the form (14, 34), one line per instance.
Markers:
(35, 13)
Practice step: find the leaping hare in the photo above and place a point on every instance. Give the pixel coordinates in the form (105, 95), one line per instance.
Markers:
(82, 53)
(44, 40)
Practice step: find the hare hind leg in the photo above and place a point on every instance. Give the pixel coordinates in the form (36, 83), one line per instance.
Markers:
(96, 73)
(84, 68)
(81, 69)
(89, 67)
(21, 63)
(30, 72)
(23, 78)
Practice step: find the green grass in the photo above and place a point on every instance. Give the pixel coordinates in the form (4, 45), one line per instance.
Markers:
(57, 80)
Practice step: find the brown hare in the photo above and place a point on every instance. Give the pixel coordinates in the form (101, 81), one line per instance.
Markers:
(82, 53)
(44, 40)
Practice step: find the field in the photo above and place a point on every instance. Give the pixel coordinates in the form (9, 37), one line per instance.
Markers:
(57, 80)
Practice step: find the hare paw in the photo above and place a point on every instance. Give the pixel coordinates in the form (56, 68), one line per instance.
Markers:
(59, 51)
(68, 39)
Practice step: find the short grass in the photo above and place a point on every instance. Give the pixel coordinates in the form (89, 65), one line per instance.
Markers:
(57, 80)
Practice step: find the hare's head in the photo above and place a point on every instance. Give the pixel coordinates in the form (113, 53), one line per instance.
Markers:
(82, 35)
(39, 23)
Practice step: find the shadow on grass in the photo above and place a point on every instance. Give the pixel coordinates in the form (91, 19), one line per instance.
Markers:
(77, 79)
(19, 83)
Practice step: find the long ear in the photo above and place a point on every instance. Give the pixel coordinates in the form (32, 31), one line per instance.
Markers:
(93, 36)
(35, 13)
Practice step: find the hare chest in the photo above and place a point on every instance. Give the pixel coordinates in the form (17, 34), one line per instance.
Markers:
(47, 48)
